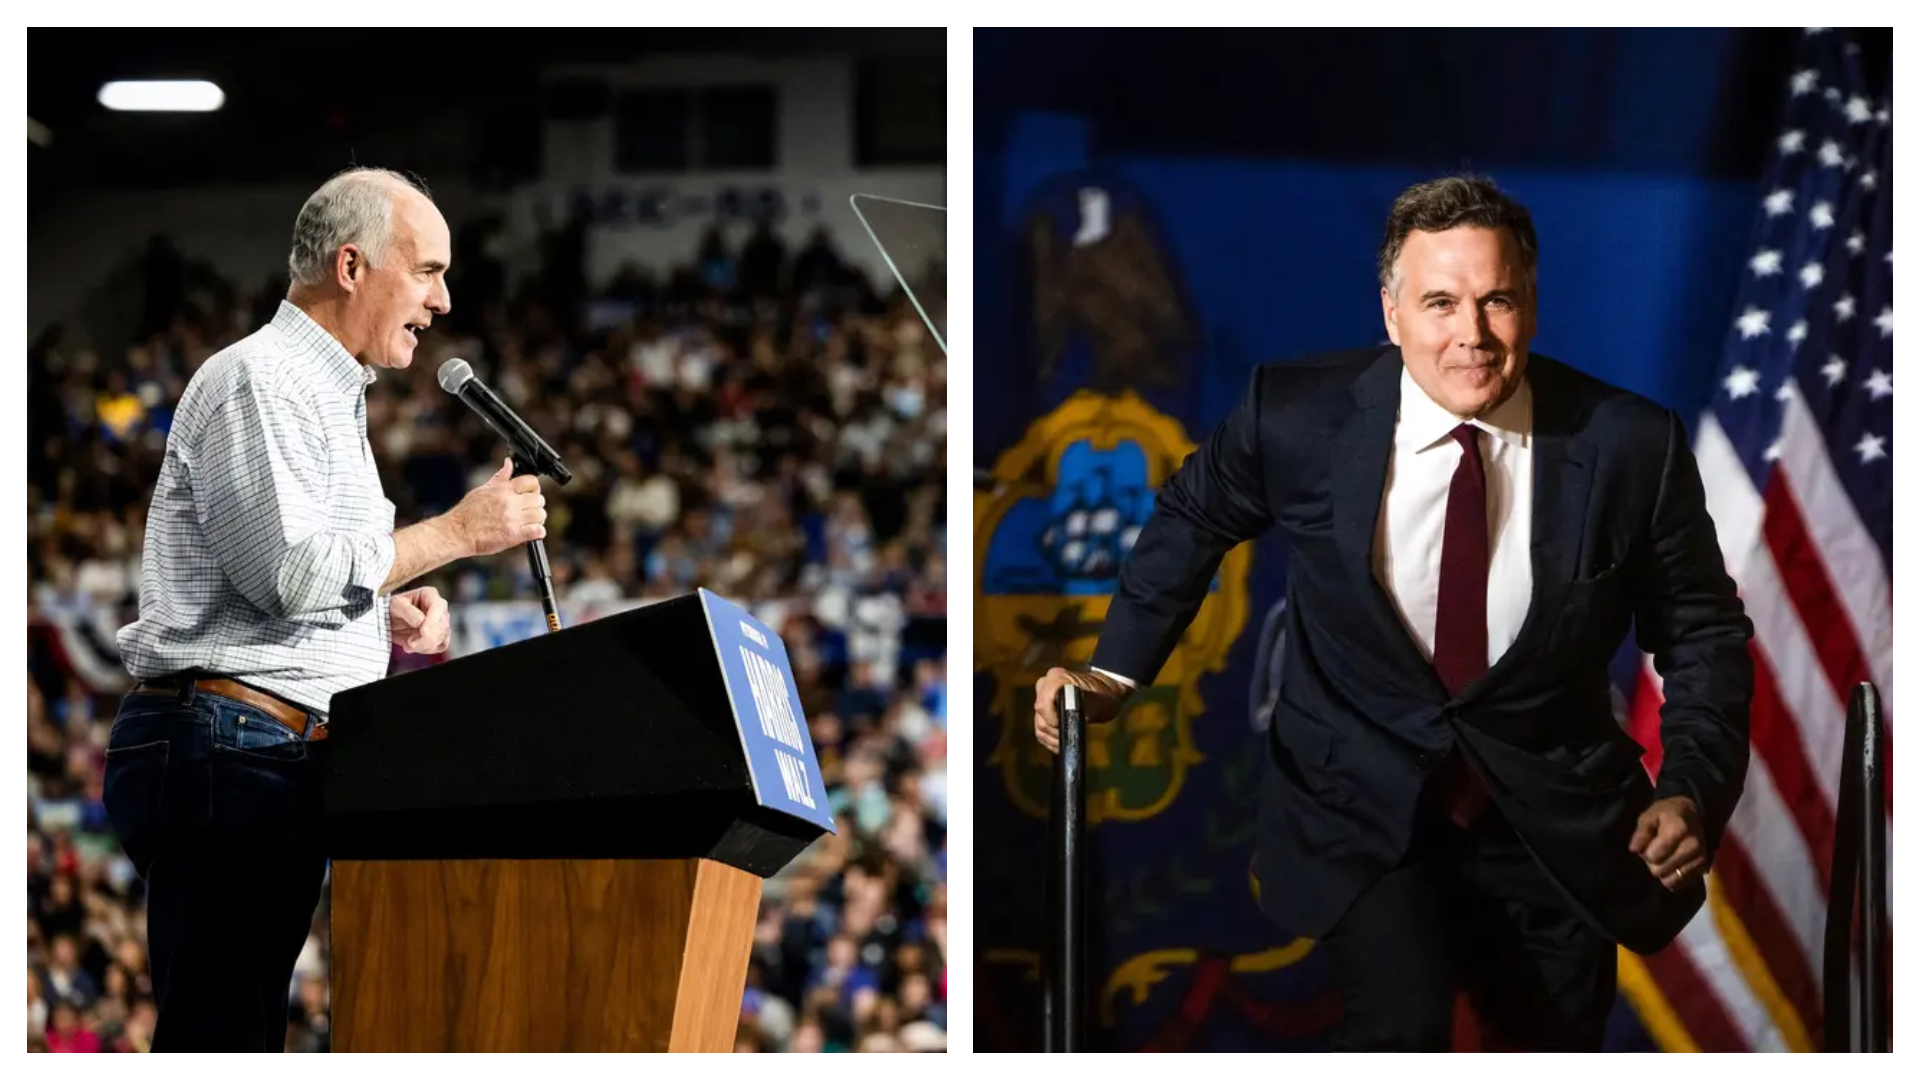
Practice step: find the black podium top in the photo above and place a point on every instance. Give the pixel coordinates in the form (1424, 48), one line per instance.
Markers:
(650, 734)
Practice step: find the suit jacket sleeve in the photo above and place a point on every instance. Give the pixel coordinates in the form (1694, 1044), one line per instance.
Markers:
(1214, 501)
(1689, 616)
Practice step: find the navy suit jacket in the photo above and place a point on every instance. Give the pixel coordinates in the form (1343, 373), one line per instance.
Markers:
(1621, 536)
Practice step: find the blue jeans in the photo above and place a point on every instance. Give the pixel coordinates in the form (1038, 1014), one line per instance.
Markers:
(218, 807)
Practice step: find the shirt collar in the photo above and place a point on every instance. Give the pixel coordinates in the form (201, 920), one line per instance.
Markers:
(1425, 423)
(332, 358)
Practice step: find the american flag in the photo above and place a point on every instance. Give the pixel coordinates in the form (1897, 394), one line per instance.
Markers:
(1796, 452)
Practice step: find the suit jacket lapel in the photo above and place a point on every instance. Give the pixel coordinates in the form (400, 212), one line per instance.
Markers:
(1562, 480)
(1360, 454)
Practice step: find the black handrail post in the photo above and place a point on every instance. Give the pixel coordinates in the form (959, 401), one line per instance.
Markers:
(1837, 1012)
(1857, 1002)
(1065, 990)
(1874, 1002)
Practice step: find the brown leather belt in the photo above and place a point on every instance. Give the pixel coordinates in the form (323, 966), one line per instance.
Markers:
(292, 717)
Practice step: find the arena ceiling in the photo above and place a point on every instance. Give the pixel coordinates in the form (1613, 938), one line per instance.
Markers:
(296, 100)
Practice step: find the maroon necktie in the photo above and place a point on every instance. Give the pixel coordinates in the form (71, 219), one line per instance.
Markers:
(1460, 622)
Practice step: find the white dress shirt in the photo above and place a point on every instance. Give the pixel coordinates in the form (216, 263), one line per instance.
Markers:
(1412, 522)
(269, 536)
(1413, 512)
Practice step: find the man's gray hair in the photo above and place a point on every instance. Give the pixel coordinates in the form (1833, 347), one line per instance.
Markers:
(355, 207)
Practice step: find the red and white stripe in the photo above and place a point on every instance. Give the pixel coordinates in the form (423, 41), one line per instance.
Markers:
(1819, 595)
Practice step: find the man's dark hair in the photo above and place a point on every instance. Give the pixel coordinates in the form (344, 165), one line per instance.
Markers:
(1449, 203)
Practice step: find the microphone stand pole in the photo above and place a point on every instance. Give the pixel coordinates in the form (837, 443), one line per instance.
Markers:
(537, 560)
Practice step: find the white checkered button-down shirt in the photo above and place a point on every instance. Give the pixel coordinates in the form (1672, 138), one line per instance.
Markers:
(269, 537)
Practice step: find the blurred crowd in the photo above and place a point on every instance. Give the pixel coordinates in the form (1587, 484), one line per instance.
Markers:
(764, 423)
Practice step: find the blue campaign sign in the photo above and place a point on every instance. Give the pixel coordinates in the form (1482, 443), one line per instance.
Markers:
(766, 708)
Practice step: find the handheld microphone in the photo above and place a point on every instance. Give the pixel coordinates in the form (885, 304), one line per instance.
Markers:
(530, 453)
(457, 378)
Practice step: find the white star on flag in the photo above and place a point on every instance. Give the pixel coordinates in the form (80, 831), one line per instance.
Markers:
(1765, 263)
(1753, 323)
(1869, 179)
(1884, 321)
(1785, 392)
(1812, 274)
(1797, 333)
(1793, 141)
(1805, 81)
(1742, 381)
(1871, 446)
(1834, 369)
(1882, 115)
(1821, 215)
(1843, 308)
(1858, 111)
(1780, 202)
(1830, 154)
(1879, 385)
(1856, 243)
(1774, 450)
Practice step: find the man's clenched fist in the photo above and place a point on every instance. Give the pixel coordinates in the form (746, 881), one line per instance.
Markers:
(418, 619)
(1668, 839)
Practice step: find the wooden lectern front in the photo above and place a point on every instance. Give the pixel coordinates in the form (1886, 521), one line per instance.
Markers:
(559, 844)
(540, 954)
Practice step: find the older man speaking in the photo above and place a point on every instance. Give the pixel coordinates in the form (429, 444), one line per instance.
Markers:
(271, 566)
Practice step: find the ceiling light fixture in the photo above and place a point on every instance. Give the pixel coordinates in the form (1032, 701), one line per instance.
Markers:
(162, 95)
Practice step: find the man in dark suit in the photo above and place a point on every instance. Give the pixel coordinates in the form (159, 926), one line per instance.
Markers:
(1449, 801)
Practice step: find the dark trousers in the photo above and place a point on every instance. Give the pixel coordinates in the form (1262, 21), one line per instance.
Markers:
(217, 806)
(1469, 908)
